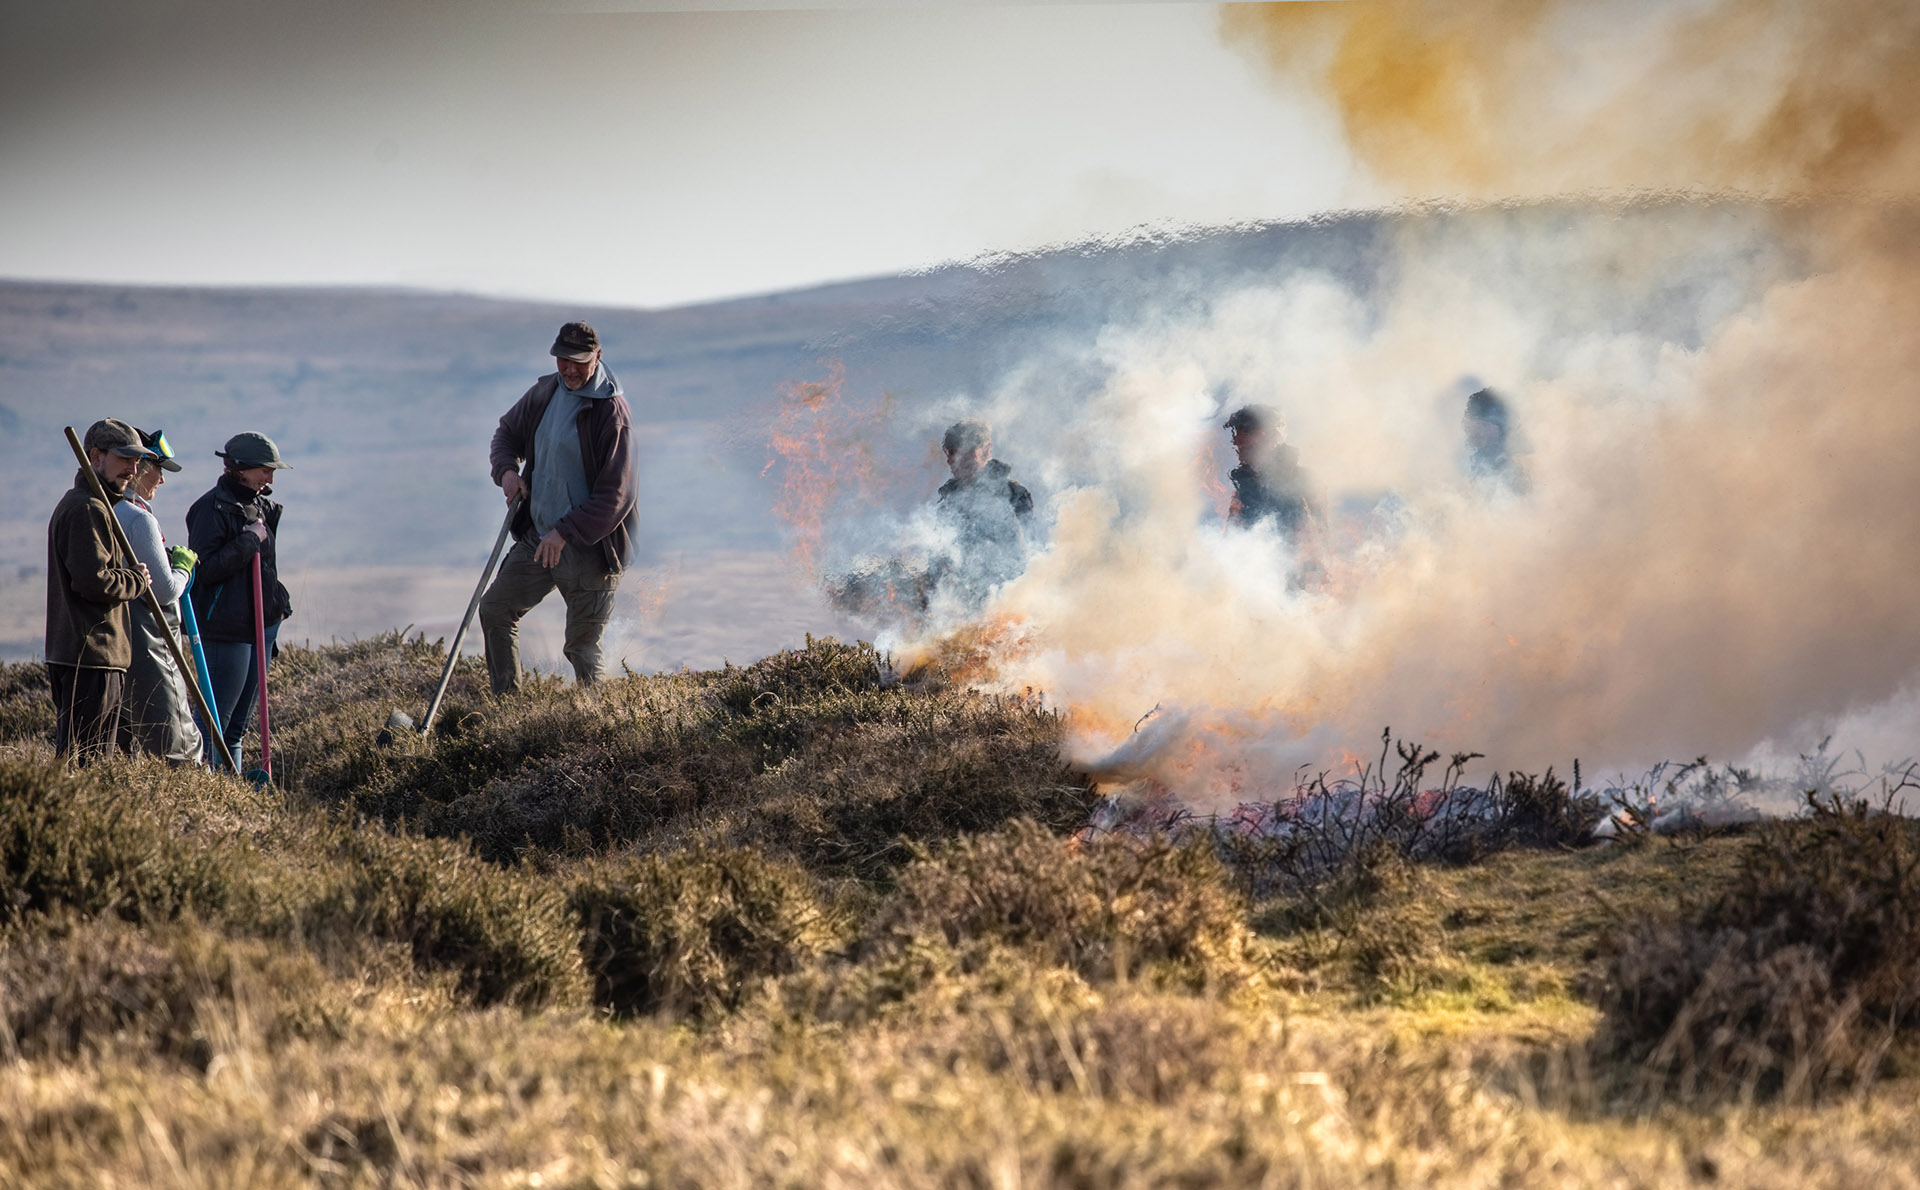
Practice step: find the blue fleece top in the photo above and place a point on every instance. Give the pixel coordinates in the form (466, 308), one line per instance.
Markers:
(559, 472)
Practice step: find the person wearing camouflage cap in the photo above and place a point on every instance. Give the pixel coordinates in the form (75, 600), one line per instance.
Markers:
(226, 528)
(565, 452)
(90, 582)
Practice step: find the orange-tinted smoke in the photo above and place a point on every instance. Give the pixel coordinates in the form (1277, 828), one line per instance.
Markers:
(821, 448)
(1519, 98)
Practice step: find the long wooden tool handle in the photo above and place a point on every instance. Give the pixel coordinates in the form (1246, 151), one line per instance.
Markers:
(153, 601)
(453, 653)
(260, 665)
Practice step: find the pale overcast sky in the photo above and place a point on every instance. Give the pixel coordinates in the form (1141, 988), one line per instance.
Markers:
(640, 157)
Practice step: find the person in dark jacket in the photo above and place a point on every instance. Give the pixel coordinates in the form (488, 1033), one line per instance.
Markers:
(1270, 486)
(228, 527)
(564, 451)
(1488, 426)
(988, 512)
(90, 582)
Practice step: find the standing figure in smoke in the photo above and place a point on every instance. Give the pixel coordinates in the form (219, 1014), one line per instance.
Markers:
(987, 512)
(1269, 483)
(1271, 487)
(1488, 424)
(565, 451)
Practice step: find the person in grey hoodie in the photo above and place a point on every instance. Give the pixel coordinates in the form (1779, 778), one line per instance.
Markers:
(157, 712)
(564, 452)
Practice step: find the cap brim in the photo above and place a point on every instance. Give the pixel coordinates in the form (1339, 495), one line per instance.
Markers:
(578, 357)
(132, 452)
(168, 465)
(221, 454)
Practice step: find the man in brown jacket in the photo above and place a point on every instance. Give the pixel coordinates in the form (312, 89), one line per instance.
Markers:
(565, 452)
(89, 584)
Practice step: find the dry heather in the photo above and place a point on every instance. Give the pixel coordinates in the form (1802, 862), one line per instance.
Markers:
(781, 925)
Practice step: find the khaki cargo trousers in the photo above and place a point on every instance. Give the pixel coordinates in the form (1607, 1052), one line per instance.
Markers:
(584, 583)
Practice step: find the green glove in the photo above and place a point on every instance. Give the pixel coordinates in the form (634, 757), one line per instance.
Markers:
(181, 558)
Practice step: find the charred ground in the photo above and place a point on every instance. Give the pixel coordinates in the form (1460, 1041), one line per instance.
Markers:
(786, 924)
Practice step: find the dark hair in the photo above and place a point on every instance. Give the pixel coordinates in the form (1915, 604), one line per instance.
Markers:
(1488, 406)
(966, 435)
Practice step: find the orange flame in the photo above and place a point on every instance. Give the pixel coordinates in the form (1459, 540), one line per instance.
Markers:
(972, 654)
(825, 458)
(1211, 466)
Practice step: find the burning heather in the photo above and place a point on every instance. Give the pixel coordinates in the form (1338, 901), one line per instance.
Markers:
(1700, 532)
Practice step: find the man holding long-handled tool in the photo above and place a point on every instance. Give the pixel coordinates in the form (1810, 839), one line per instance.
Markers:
(564, 452)
(89, 701)
(90, 581)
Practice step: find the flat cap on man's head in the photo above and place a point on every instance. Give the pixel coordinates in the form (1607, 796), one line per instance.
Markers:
(116, 437)
(577, 342)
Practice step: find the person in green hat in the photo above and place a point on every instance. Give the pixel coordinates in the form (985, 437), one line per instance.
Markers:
(157, 714)
(90, 582)
(227, 528)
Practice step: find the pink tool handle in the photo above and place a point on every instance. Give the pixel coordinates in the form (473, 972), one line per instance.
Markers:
(260, 664)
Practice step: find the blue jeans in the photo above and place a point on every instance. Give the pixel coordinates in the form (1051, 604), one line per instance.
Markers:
(230, 665)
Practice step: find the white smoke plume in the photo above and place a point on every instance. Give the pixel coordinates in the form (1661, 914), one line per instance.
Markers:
(1718, 400)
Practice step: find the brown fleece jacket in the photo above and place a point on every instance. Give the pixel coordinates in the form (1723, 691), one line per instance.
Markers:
(89, 584)
(610, 516)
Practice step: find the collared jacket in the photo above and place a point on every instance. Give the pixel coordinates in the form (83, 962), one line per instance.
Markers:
(988, 517)
(89, 584)
(223, 581)
(610, 516)
(1278, 490)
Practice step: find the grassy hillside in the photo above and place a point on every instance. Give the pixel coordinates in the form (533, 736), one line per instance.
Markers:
(782, 925)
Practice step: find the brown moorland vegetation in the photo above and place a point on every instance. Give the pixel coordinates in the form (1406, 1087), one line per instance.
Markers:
(788, 925)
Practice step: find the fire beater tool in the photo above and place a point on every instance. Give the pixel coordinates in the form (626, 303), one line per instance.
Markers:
(400, 720)
(153, 601)
(264, 774)
(190, 628)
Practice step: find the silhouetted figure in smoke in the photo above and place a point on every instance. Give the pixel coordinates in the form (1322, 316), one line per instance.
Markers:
(1271, 487)
(987, 512)
(1488, 424)
(1269, 483)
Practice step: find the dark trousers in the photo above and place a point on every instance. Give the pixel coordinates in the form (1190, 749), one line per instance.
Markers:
(86, 710)
(230, 665)
(584, 583)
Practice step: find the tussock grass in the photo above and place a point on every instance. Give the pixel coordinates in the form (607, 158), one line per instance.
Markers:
(692, 932)
(77, 845)
(802, 755)
(86, 986)
(1107, 911)
(779, 924)
(26, 703)
(1803, 975)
